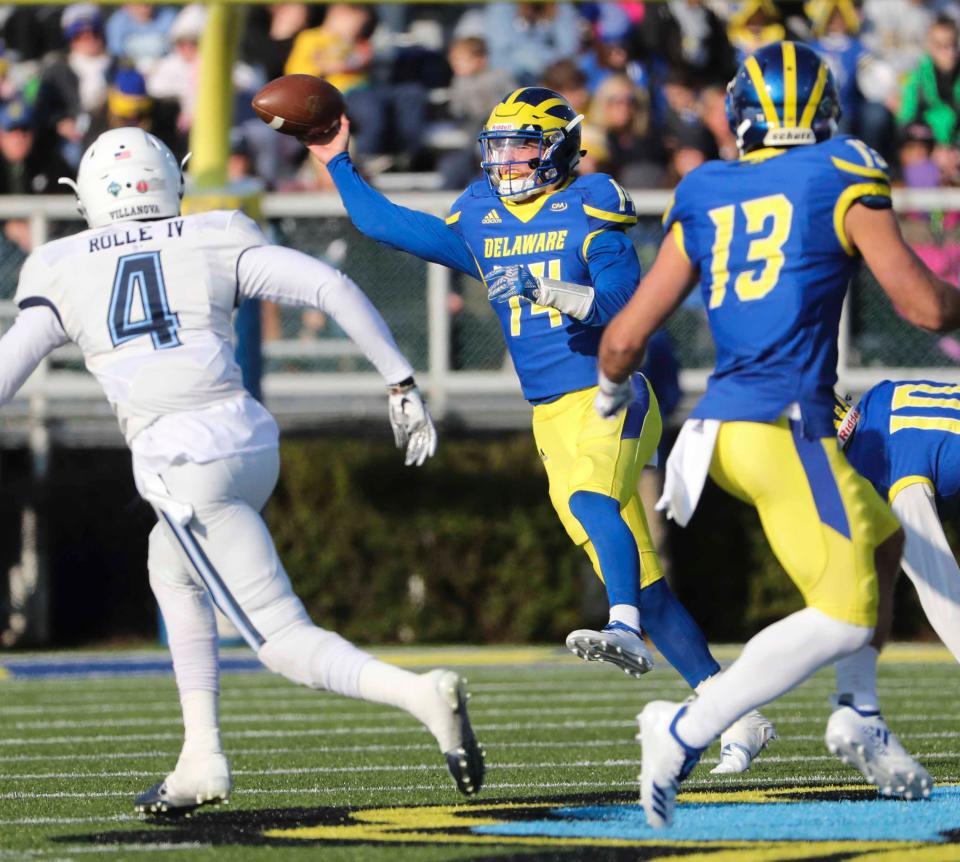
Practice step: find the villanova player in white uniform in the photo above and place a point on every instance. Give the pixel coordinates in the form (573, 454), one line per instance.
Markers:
(148, 296)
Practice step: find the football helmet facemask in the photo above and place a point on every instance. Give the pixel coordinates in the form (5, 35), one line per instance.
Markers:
(782, 95)
(542, 128)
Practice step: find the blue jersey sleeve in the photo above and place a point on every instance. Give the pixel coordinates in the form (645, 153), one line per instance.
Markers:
(420, 234)
(863, 177)
(607, 251)
(615, 273)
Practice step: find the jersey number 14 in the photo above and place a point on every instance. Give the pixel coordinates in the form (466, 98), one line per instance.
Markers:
(140, 276)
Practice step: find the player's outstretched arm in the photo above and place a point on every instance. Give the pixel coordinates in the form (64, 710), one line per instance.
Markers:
(621, 349)
(34, 334)
(929, 562)
(292, 278)
(420, 234)
(922, 297)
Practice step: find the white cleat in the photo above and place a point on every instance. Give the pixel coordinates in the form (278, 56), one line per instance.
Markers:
(865, 741)
(742, 742)
(616, 644)
(196, 781)
(463, 754)
(665, 762)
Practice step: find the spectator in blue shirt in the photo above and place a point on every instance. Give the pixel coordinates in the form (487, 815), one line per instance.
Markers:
(139, 32)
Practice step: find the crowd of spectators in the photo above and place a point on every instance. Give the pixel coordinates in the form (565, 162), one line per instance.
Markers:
(419, 80)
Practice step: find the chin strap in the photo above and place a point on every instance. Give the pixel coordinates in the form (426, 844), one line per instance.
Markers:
(575, 300)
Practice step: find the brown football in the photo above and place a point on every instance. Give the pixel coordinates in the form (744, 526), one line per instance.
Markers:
(299, 105)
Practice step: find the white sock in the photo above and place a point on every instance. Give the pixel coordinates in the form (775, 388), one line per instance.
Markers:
(773, 661)
(626, 614)
(857, 678)
(414, 693)
(201, 722)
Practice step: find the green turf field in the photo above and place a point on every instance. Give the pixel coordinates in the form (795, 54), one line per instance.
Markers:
(321, 777)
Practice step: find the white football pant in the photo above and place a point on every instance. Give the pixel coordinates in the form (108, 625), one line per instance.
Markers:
(226, 553)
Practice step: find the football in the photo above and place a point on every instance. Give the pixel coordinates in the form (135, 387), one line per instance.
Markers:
(299, 105)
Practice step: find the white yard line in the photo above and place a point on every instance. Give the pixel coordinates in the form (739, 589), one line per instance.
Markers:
(425, 746)
(331, 703)
(609, 763)
(783, 713)
(442, 782)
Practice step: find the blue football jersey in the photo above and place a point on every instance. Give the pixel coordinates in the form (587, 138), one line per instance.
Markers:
(767, 236)
(909, 431)
(552, 234)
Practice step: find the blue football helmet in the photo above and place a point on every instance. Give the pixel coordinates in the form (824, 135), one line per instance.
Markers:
(529, 117)
(781, 96)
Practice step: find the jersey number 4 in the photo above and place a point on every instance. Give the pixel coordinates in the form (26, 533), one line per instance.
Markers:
(766, 249)
(140, 276)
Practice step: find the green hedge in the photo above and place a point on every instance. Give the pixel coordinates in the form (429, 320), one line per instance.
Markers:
(469, 548)
(466, 548)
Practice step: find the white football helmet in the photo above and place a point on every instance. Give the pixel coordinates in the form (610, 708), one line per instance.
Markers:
(125, 175)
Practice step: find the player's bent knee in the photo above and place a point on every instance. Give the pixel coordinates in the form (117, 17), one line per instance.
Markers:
(307, 655)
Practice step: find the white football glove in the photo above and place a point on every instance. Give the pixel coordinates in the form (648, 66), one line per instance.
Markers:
(413, 429)
(613, 397)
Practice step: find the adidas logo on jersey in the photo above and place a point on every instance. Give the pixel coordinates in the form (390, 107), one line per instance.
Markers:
(491, 217)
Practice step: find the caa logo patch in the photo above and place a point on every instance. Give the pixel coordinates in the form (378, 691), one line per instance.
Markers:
(558, 206)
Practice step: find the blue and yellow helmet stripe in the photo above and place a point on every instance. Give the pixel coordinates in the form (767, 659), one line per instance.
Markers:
(782, 95)
(531, 107)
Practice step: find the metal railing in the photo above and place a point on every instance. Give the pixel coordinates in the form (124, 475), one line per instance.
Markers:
(64, 399)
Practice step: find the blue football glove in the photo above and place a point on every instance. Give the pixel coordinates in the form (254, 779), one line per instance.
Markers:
(514, 280)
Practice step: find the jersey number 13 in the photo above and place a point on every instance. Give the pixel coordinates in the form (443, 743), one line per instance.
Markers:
(769, 220)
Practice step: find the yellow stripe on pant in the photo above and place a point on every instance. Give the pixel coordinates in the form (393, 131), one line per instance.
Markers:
(582, 452)
(822, 519)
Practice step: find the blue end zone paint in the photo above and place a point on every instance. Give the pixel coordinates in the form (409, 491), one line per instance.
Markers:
(822, 820)
(38, 668)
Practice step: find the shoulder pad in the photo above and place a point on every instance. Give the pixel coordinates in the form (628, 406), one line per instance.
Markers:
(854, 159)
(34, 277)
(606, 200)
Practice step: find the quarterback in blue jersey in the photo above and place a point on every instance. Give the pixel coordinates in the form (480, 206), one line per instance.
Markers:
(904, 437)
(772, 240)
(551, 249)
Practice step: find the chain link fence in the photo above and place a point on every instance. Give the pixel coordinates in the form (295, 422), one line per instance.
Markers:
(444, 324)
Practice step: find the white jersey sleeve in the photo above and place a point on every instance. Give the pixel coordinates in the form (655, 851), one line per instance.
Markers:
(293, 278)
(150, 304)
(34, 333)
(929, 562)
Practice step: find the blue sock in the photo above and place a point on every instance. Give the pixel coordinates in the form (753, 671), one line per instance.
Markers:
(674, 632)
(614, 543)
